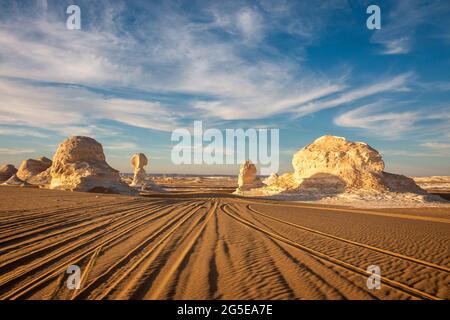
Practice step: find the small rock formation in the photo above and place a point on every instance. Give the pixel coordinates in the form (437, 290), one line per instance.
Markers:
(247, 177)
(32, 167)
(7, 171)
(15, 181)
(138, 161)
(272, 179)
(79, 164)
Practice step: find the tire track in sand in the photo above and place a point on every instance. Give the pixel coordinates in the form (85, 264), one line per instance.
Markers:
(392, 283)
(363, 245)
(83, 253)
(150, 255)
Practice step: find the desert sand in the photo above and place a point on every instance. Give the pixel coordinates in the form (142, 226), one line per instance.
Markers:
(308, 234)
(194, 243)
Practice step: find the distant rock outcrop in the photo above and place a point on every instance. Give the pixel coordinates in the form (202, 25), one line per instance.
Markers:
(79, 164)
(7, 171)
(32, 167)
(138, 161)
(247, 177)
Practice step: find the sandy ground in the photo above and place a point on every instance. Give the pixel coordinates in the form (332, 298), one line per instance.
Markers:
(213, 245)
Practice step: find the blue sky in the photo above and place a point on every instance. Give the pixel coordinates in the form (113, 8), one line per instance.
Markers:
(139, 69)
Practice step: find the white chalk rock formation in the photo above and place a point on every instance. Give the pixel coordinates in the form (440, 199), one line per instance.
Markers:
(15, 181)
(335, 165)
(79, 164)
(272, 179)
(247, 177)
(139, 161)
(7, 171)
(32, 167)
(335, 161)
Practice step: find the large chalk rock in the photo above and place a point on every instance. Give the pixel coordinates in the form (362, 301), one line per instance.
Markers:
(247, 177)
(337, 162)
(7, 171)
(138, 162)
(32, 167)
(79, 164)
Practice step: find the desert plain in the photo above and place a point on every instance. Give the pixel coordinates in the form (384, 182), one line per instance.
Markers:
(315, 233)
(202, 242)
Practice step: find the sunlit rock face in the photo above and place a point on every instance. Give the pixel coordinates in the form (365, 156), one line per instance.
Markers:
(334, 165)
(79, 164)
(42, 179)
(339, 162)
(7, 171)
(32, 167)
(138, 162)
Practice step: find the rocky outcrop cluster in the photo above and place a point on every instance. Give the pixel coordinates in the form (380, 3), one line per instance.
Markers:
(79, 164)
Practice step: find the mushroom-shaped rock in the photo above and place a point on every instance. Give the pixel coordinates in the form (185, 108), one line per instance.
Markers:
(32, 167)
(247, 177)
(79, 164)
(139, 161)
(334, 160)
(7, 171)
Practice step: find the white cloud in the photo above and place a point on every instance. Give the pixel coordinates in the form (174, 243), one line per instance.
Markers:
(15, 151)
(21, 132)
(381, 119)
(396, 83)
(436, 145)
(369, 117)
(71, 110)
(170, 53)
(121, 146)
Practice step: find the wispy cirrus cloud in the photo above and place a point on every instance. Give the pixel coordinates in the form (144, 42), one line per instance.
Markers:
(121, 146)
(436, 145)
(175, 55)
(15, 151)
(374, 118)
(390, 120)
(21, 132)
(66, 109)
(386, 85)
